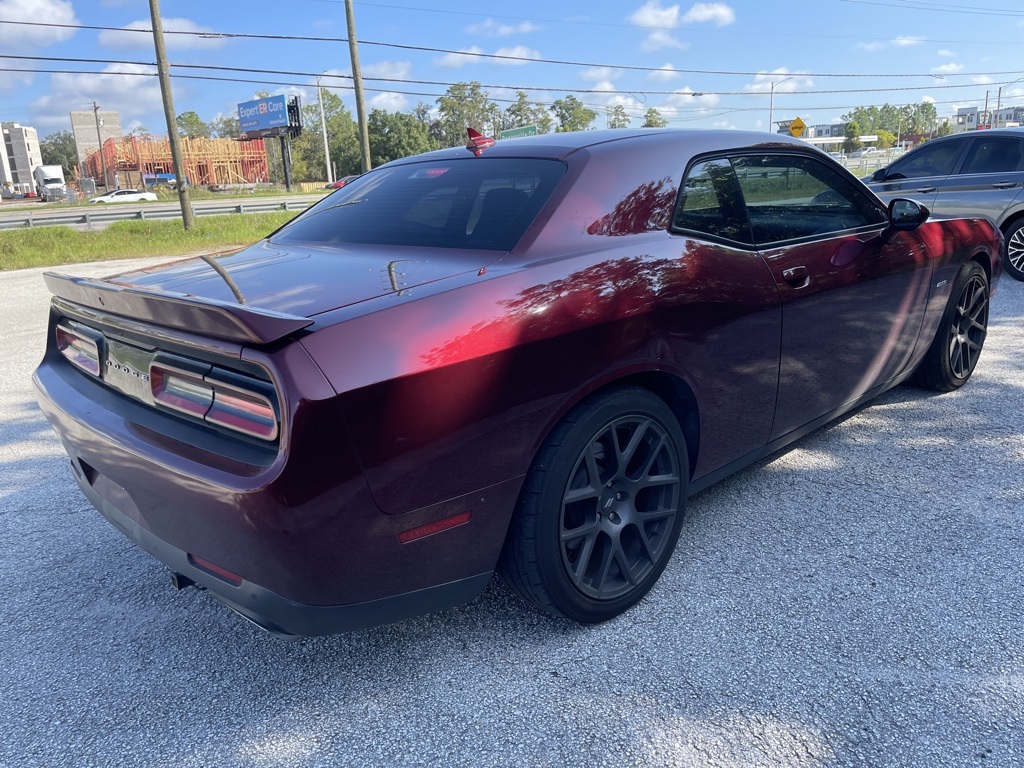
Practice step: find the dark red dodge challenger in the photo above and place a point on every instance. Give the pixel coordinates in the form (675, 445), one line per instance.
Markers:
(518, 356)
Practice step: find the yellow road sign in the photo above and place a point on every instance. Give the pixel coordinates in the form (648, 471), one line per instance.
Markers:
(797, 127)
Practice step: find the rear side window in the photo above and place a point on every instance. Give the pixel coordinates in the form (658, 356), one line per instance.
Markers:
(995, 155)
(710, 203)
(930, 160)
(479, 203)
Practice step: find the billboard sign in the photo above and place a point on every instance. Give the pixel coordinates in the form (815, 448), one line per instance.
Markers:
(263, 117)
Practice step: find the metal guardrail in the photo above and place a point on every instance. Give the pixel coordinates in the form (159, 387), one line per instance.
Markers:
(103, 216)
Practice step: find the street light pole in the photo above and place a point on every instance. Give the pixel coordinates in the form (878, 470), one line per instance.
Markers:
(323, 128)
(99, 140)
(771, 104)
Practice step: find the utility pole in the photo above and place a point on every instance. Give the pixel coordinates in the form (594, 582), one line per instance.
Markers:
(172, 125)
(357, 80)
(99, 140)
(986, 110)
(323, 128)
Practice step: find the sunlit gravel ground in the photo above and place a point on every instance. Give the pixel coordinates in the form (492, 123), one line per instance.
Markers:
(855, 601)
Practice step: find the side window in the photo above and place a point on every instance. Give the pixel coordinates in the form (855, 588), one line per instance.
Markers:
(794, 196)
(930, 160)
(710, 203)
(995, 155)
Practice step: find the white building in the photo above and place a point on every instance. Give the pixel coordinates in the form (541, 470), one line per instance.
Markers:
(19, 158)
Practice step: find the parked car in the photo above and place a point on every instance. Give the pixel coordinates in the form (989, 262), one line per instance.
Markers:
(865, 152)
(977, 173)
(125, 196)
(521, 357)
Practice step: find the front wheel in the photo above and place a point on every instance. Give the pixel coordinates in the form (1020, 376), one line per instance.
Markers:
(601, 508)
(955, 350)
(1013, 251)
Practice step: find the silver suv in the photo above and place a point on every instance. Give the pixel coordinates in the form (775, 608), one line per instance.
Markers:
(972, 174)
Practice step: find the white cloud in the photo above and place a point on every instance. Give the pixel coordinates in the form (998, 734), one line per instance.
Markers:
(719, 14)
(15, 38)
(947, 54)
(661, 39)
(981, 79)
(460, 59)
(115, 88)
(389, 102)
(663, 74)
(471, 55)
(930, 100)
(686, 98)
(391, 70)
(652, 14)
(519, 52)
(905, 41)
(948, 69)
(724, 125)
(595, 74)
(785, 81)
(492, 28)
(127, 40)
(873, 45)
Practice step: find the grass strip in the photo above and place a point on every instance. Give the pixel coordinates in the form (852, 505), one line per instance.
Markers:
(49, 246)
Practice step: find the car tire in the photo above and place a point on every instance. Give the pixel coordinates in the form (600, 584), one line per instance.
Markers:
(601, 508)
(1013, 251)
(957, 345)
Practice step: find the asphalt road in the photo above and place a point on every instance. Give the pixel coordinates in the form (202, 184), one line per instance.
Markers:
(855, 601)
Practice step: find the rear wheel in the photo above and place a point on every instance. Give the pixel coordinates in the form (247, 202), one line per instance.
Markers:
(957, 345)
(601, 509)
(1013, 251)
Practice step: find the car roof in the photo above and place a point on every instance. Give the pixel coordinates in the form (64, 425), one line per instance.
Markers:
(561, 145)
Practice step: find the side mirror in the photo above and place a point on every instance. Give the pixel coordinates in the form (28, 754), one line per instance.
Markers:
(905, 215)
(878, 175)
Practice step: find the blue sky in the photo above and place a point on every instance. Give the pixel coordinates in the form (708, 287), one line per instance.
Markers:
(947, 51)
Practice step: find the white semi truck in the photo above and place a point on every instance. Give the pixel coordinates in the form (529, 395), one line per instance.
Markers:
(49, 182)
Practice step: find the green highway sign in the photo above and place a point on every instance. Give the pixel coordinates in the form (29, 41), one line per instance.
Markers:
(515, 133)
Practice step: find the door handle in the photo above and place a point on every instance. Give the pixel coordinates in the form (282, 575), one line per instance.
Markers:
(925, 190)
(798, 277)
(1004, 185)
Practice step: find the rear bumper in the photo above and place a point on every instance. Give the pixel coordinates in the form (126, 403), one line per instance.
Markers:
(279, 615)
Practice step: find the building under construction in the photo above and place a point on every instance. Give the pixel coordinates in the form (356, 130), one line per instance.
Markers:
(130, 161)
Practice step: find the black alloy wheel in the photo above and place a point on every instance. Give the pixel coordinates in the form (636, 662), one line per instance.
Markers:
(1013, 254)
(601, 508)
(619, 506)
(958, 342)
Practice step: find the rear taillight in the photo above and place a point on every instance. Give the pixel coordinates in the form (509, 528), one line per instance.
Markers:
(227, 399)
(80, 347)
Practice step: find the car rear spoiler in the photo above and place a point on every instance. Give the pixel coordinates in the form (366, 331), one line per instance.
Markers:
(208, 317)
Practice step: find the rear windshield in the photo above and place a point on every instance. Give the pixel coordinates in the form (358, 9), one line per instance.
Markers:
(480, 203)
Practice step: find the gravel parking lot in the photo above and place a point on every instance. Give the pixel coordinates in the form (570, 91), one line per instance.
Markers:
(855, 601)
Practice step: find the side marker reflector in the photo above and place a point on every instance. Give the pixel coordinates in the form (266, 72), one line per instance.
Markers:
(435, 527)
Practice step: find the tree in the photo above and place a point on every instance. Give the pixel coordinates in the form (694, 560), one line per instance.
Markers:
(464, 105)
(572, 115)
(852, 134)
(523, 112)
(394, 135)
(308, 149)
(945, 129)
(618, 117)
(653, 119)
(59, 149)
(886, 139)
(225, 127)
(191, 126)
(140, 131)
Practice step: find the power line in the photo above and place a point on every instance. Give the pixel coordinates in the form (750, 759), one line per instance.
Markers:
(509, 57)
(638, 106)
(604, 91)
(940, 8)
